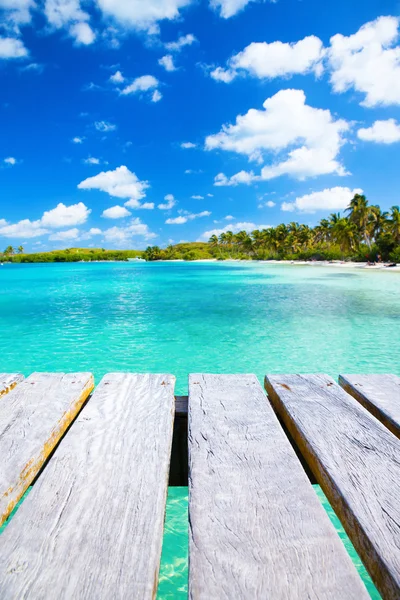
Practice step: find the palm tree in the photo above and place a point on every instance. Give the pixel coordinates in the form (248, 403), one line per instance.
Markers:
(213, 241)
(394, 224)
(9, 251)
(378, 222)
(360, 213)
(345, 233)
(20, 249)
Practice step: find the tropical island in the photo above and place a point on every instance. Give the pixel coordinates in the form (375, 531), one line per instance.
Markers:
(364, 233)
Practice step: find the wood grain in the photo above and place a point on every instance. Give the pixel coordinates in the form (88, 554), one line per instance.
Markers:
(32, 421)
(379, 394)
(91, 528)
(355, 459)
(8, 381)
(257, 528)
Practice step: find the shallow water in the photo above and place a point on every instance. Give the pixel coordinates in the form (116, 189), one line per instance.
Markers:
(190, 317)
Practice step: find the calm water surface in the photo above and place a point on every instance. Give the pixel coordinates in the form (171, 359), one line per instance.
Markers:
(190, 317)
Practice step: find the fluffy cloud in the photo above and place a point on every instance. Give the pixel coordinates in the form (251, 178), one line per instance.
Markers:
(140, 14)
(120, 183)
(57, 218)
(116, 212)
(368, 62)
(188, 145)
(167, 62)
(23, 229)
(61, 236)
(104, 126)
(68, 14)
(117, 77)
(246, 177)
(10, 160)
(141, 84)
(306, 141)
(382, 132)
(16, 13)
(157, 96)
(77, 140)
(187, 217)
(335, 198)
(65, 216)
(91, 160)
(229, 8)
(170, 202)
(197, 197)
(234, 227)
(136, 228)
(181, 42)
(12, 48)
(276, 59)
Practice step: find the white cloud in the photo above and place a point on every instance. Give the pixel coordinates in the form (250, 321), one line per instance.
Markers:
(16, 13)
(188, 145)
(229, 8)
(10, 160)
(142, 14)
(141, 84)
(229, 218)
(77, 140)
(335, 198)
(91, 160)
(170, 202)
(65, 216)
(117, 77)
(368, 62)
(246, 177)
(157, 96)
(12, 48)
(304, 141)
(181, 42)
(23, 229)
(60, 236)
(187, 217)
(120, 183)
(82, 33)
(104, 126)
(234, 227)
(381, 132)
(135, 228)
(196, 197)
(57, 218)
(167, 62)
(116, 212)
(210, 195)
(276, 59)
(95, 231)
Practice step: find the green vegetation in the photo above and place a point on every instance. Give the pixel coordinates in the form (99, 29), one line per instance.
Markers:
(70, 255)
(365, 233)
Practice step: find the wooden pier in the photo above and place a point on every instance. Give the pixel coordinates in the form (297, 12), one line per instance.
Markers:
(98, 464)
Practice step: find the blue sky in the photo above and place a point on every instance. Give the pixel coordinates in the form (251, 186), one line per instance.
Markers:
(126, 123)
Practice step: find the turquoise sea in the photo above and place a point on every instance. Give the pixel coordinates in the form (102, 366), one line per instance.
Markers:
(188, 317)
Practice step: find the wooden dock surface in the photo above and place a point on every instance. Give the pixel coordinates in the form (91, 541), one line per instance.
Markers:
(257, 528)
(92, 526)
(380, 394)
(355, 460)
(32, 420)
(8, 381)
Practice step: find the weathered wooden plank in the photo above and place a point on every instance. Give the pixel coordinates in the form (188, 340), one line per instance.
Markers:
(380, 394)
(91, 528)
(32, 421)
(8, 381)
(257, 528)
(355, 459)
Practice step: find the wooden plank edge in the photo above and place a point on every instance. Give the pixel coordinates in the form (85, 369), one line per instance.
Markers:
(17, 378)
(34, 466)
(369, 406)
(359, 539)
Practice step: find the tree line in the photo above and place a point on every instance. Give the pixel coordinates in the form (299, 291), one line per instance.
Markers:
(363, 233)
